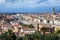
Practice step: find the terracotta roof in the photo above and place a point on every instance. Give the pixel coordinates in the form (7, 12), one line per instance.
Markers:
(29, 29)
(18, 26)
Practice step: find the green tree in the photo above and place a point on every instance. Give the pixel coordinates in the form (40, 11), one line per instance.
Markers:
(43, 29)
(8, 36)
(31, 26)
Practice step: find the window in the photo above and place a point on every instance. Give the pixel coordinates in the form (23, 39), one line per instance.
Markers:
(41, 20)
(48, 21)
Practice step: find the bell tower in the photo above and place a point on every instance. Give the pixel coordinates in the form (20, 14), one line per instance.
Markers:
(53, 11)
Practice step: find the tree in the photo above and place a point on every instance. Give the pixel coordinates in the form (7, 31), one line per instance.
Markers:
(3, 36)
(9, 34)
(43, 29)
(36, 36)
(13, 36)
(31, 26)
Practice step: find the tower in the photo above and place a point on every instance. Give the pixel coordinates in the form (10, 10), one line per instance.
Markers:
(53, 10)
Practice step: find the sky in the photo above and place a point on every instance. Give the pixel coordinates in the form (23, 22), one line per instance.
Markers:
(29, 5)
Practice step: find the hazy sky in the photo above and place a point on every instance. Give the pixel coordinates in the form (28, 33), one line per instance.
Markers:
(29, 5)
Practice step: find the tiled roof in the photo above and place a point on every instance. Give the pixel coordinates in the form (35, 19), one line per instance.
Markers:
(29, 29)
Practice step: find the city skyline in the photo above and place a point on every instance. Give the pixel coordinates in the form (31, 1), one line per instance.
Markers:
(29, 5)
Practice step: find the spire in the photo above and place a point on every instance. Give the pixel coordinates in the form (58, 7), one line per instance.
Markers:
(53, 10)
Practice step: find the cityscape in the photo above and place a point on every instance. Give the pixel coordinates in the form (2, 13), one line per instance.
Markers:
(29, 19)
(22, 24)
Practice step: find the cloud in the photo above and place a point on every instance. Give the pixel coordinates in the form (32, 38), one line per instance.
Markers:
(11, 0)
(21, 3)
(49, 3)
(27, 4)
